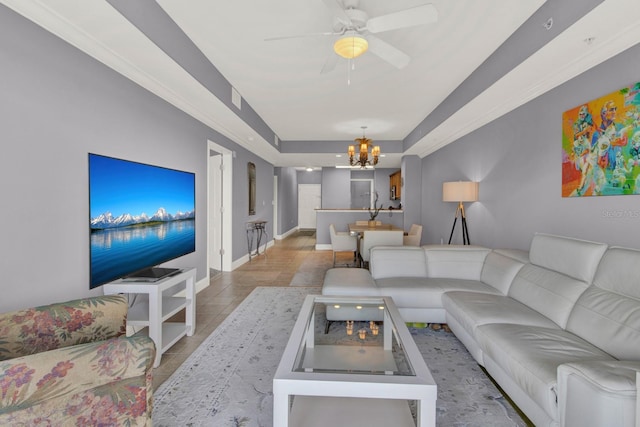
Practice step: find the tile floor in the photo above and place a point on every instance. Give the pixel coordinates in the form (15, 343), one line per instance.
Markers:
(290, 262)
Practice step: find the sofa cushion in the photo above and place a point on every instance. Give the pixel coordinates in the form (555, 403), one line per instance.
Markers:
(411, 292)
(455, 262)
(608, 312)
(548, 292)
(530, 355)
(575, 258)
(426, 292)
(499, 270)
(404, 261)
(349, 281)
(517, 254)
(472, 309)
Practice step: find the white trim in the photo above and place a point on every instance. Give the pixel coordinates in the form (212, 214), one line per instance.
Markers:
(245, 259)
(227, 204)
(287, 234)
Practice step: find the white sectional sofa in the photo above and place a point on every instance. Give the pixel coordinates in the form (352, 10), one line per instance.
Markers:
(558, 327)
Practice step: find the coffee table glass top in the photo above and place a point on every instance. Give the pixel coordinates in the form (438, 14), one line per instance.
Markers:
(367, 347)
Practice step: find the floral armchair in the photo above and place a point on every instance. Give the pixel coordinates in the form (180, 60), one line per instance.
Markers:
(71, 364)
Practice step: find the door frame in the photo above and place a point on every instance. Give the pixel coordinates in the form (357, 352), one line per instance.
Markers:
(226, 207)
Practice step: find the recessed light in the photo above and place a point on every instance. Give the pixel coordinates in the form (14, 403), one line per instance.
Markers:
(338, 155)
(309, 169)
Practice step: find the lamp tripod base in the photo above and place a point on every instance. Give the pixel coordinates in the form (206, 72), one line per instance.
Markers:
(465, 230)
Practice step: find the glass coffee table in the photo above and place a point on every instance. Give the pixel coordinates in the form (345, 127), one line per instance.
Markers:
(360, 373)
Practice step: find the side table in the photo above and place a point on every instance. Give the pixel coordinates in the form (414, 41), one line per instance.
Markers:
(258, 227)
(151, 311)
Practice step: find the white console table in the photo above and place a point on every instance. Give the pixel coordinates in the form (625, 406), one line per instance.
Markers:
(153, 310)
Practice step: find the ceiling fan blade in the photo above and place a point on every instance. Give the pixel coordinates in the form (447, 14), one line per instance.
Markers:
(295, 36)
(385, 51)
(330, 63)
(419, 15)
(338, 11)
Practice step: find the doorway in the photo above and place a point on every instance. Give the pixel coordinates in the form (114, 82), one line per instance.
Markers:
(309, 199)
(219, 218)
(362, 193)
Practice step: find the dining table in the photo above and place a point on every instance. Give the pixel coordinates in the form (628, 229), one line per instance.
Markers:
(359, 229)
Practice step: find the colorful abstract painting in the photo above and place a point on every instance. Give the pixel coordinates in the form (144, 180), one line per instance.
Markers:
(601, 145)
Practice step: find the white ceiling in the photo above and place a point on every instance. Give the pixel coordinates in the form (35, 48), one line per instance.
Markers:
(281, 79)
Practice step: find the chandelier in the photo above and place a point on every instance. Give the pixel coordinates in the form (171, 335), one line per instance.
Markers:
(363, 159)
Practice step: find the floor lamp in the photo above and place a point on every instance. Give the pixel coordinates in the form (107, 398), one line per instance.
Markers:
(460, 191)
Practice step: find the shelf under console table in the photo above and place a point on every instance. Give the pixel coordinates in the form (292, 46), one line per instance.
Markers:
(154, 308)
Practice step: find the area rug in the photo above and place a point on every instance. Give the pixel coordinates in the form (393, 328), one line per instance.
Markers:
(227, 381)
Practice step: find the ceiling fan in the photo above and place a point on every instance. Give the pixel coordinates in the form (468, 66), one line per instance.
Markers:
(355, 31)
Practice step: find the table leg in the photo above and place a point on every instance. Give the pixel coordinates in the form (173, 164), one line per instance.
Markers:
(280, 409)
(155, 323)
(190, 309)
(426, 413)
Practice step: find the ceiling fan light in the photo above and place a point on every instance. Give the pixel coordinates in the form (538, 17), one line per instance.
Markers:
(350, 47)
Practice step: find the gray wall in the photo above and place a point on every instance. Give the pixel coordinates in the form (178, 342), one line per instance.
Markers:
(313, 177)
(334, 193)
(287, 199)
(517, 159)
(57, 105)
(264, 198)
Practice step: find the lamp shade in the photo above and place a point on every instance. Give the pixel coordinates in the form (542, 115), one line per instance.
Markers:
(350, 46)
(460, 191)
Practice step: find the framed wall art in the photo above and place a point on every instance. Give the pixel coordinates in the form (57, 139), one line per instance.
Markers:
(601, 145)
(251, 170)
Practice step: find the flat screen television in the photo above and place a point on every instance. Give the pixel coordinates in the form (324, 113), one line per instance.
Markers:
(140, 216)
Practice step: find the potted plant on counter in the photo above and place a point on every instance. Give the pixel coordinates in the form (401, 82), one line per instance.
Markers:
(373, 213)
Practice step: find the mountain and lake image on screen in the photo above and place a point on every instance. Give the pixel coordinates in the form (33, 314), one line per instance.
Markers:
(140, 216)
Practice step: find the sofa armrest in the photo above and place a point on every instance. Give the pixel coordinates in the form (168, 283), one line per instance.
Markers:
(599, 392)
(119, 368)
(70, 323)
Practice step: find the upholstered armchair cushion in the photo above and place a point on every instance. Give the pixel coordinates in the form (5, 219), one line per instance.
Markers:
(70, 364)
(100, 383)
(48, 327)
(414, 236)
(341, 242)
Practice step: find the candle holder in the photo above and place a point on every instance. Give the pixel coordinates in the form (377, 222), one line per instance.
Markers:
(349, 327)
(375, 329)
(362, 334)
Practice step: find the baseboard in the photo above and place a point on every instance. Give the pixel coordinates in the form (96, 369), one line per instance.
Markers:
(245, 258)
(323, 247)
(287, 234)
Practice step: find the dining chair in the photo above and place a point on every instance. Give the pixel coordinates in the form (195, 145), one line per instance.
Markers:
(414, 236)
(342, 242)
(371, 238)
